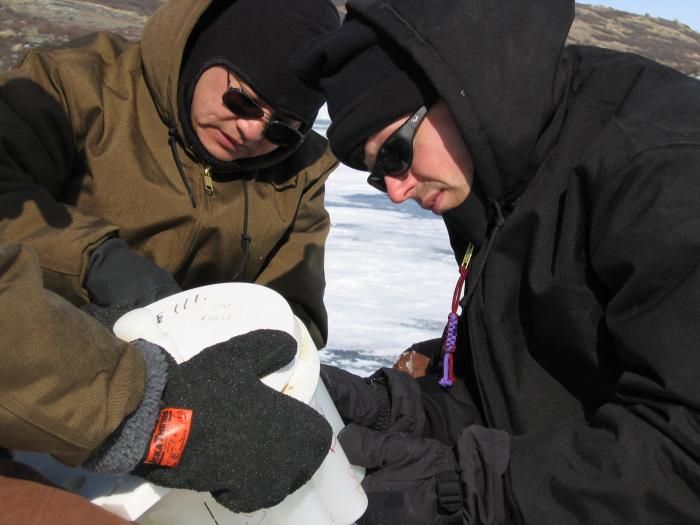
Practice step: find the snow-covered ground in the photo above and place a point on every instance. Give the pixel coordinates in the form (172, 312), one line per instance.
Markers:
(389, 271)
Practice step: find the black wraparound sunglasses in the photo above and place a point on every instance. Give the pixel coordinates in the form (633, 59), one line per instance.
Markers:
(395, 155)
(276, 131)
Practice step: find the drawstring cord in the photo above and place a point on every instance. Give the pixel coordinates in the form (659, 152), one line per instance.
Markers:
(449, 341)
(172, 140)
(245, 238)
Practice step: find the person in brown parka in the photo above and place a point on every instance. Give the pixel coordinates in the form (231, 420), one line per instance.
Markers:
(70, 389)
(136, 169)
(47, 403)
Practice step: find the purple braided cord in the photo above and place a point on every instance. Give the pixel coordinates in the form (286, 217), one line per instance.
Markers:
(449, 346)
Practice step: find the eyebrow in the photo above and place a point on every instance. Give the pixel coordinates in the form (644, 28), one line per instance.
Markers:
(365, 158)
(274, 115)
(245, 88)
(374, 157)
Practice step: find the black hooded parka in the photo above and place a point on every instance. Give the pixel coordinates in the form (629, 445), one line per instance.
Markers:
(580, 331)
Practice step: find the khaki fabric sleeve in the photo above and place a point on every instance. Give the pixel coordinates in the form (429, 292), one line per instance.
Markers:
(46, 109)
(66, 383)
(296, 271)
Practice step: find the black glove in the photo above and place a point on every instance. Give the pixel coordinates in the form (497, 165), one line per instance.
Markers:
(392, 400)
(404, 432)
(249, 445)
(410, 479)
(118, 276)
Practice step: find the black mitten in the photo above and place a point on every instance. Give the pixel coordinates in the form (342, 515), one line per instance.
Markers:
(404, 431)
(418, 481)
(387, 400)
(107, 315)
(249, 445)
(118, 276)
(393, 400)
(409, 480)
(358, 399)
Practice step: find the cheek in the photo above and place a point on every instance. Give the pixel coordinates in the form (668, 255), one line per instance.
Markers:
(205, 109)
(458, 168)
(427, 161)
(438, 164)
(196, 102)
(197, 113)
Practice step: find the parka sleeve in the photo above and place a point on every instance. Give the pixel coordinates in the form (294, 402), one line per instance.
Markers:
(296, 270)
(66, 383)
(636, 458)
(40, 168)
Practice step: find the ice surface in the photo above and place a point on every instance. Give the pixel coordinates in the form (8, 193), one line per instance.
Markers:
(390, 273)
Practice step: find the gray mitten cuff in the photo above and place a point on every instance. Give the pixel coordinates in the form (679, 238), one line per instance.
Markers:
(124, 449)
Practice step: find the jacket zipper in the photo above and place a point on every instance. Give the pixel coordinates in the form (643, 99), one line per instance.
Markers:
(488, 412)
(208, 181)
(471, 325)
(497, 221)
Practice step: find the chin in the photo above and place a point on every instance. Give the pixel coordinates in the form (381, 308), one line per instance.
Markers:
(219, 153)
(226, 157)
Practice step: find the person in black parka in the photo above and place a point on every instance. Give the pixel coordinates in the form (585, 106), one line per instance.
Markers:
(572, 174)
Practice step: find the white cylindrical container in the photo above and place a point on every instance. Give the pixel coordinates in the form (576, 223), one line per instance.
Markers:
(186, 323)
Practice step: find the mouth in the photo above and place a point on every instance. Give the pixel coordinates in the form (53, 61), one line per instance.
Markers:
(229, 142)
(431, 203)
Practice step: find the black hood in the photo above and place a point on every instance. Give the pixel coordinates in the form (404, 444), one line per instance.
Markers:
(197, 150)
(495, 63)
(255, 39)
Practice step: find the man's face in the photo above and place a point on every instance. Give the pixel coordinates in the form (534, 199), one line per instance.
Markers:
(225, 135)
(442, 170)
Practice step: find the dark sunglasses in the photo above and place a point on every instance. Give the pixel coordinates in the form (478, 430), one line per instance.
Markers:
(395, 155)
(276, 131)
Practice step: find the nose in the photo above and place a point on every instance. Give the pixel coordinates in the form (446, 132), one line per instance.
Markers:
(401, 187)
(251, 129)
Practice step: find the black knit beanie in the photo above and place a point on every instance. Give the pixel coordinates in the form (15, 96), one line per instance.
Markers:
(255, 39)
(368, 82)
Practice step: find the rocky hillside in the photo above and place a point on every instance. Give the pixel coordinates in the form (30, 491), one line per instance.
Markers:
(665, 41)
(28, 23)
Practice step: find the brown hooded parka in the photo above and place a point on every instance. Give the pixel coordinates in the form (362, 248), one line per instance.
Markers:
(85, 155)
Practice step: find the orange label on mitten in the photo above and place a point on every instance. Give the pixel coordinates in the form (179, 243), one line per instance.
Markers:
(169, 437)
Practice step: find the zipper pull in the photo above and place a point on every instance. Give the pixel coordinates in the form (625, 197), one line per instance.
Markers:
(467, 257)
(449, 338)
(208, 182)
